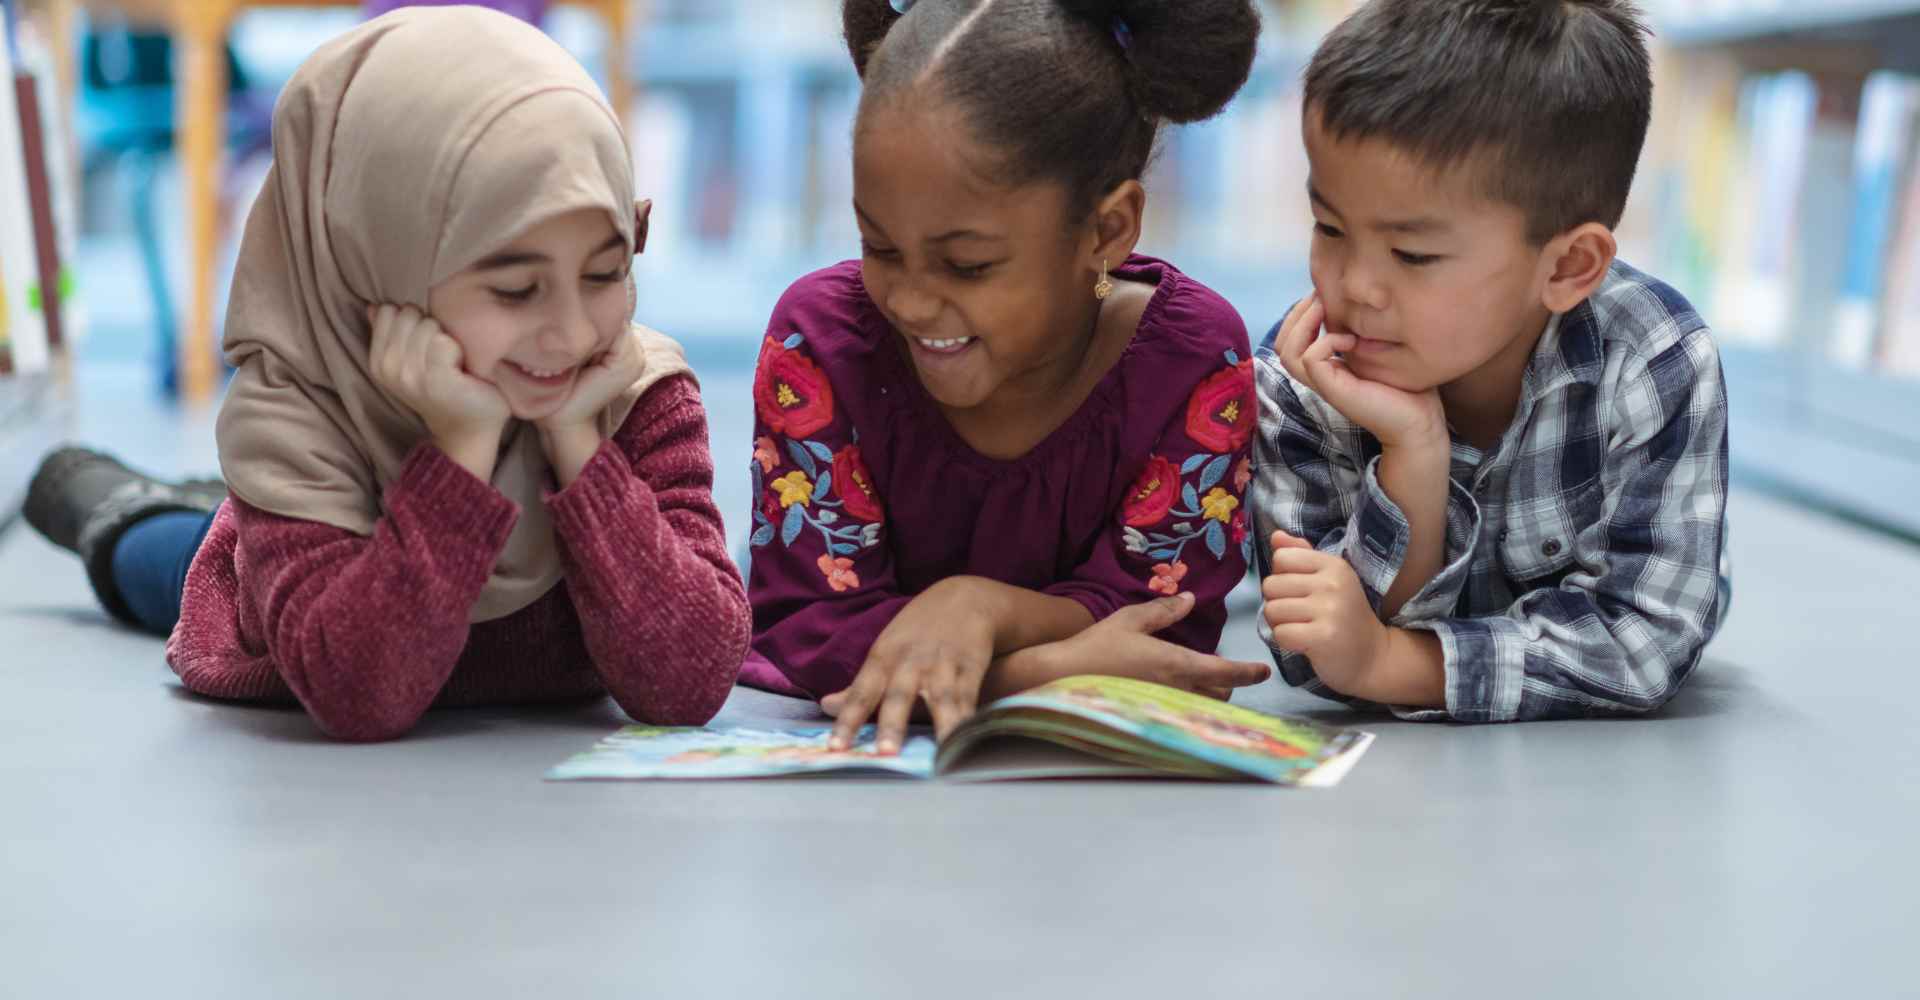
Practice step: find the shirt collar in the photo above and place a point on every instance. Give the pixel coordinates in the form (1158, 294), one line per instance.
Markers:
(1568, 353)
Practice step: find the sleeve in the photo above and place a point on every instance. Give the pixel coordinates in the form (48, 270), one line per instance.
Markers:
(1182, 524)
(661, 607)
(1622, 632)
(822, 581)
(1318, 479)
(366, 630)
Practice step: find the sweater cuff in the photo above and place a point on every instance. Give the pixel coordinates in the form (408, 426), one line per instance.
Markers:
(599, 498)
(434, 494)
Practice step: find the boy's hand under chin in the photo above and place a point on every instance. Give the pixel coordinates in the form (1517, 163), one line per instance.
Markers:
(571, 434)
(1400, 419)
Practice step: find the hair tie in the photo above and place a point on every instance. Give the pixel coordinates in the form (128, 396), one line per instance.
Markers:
(1121, 33)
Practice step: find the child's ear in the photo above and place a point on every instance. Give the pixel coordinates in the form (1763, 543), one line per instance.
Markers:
(642, 215)
(1576, 263)
(1116, 223)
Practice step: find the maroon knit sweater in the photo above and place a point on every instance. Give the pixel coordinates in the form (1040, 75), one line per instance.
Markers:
(368, 632)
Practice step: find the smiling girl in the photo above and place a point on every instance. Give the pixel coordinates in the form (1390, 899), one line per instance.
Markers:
(1001, 447)
(460, 475)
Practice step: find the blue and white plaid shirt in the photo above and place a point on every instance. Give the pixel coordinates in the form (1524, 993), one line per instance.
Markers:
(1583, 568)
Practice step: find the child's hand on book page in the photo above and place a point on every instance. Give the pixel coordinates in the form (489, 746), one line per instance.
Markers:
(1124, 645)
(937, 649)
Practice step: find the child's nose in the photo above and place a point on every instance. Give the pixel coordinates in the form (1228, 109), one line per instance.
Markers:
(1361, 287)
(910, 305)
(572, 329)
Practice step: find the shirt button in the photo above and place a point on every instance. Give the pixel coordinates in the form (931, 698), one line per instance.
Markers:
(1550, 548)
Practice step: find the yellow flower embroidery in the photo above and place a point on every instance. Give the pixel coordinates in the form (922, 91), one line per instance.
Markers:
(794, 489)
(1220, 505)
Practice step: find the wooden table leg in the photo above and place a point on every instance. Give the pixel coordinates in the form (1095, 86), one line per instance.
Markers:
(200, 30)
(618, 15)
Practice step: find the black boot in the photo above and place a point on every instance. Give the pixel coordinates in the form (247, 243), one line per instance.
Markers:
(83, 501)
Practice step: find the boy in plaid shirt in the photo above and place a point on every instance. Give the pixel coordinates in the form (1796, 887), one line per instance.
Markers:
(1492, 458)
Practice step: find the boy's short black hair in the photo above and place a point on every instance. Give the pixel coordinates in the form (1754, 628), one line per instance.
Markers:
(1072, 91)
(1548, 99)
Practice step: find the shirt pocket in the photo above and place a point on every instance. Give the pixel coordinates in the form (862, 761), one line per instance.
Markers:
(1538, 542)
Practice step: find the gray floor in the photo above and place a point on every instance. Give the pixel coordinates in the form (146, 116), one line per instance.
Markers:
(1756, 838)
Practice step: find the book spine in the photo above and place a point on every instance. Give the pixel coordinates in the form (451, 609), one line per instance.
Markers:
(26, 333)
(47, 293)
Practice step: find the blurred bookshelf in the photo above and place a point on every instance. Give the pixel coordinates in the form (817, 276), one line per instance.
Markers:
(1779, 193)
(743, 137)
(36, 240)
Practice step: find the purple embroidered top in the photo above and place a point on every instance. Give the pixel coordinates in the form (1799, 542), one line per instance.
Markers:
(867, 495)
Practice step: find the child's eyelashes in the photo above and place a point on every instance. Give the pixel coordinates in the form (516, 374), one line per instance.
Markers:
(964, 272)
(522, 296)
(1328, 231)
(1415, 259)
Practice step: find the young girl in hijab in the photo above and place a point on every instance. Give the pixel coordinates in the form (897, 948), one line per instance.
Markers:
(459, 474)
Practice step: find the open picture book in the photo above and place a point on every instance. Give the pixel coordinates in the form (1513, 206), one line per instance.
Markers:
(1077, 727)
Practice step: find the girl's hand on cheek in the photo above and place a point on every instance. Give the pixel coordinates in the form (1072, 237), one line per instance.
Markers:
(413, 360)
(571, 434)
(600, 381)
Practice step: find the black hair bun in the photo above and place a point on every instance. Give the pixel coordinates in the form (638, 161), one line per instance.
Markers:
(1187, 58)
(865, 24)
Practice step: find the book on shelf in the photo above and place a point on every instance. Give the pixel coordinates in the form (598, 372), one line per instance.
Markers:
(23, 334)
(1883, 160)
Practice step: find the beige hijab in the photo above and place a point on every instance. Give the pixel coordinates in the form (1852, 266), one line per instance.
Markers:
(404, 151)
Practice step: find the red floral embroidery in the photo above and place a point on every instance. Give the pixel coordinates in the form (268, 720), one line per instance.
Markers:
(1239, 526)
(791, 394)
(1222, 410)
(1166, 578)
(765, 454)
(1152, 495)
(854, 484)
(1243, 475)
(839, 573)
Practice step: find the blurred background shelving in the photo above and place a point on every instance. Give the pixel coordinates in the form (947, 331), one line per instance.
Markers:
(1778, 192)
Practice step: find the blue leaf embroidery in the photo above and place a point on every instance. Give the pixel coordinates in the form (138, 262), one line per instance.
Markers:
(843, 549)
(820, 488)
(1192, 463)
(1161, 539)
(821, 452)
(793, 341)
(763, 536)
(1233, 357)
(1216, 471)
(1189, 497)
(1216, 539)
(802, 459)
(796, 519)
(1163, 554)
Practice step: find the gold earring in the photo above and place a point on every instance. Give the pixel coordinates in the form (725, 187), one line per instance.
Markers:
(1103, 287)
